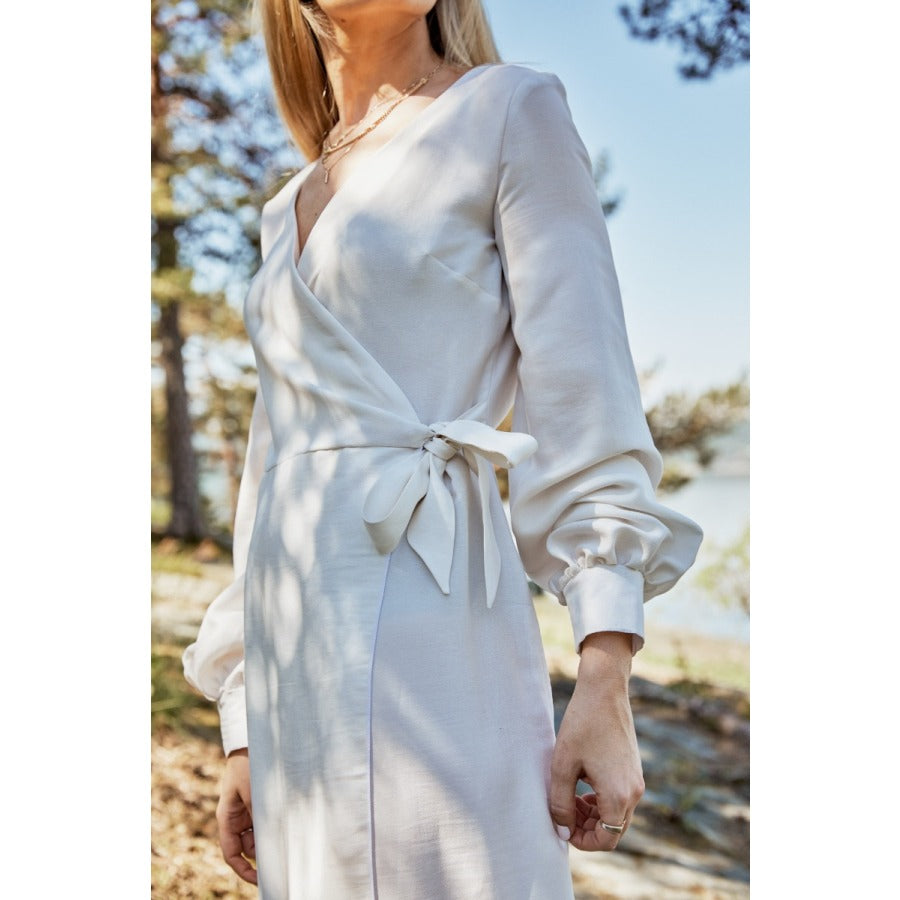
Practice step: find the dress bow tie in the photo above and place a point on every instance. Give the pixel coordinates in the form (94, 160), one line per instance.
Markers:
(411, 494)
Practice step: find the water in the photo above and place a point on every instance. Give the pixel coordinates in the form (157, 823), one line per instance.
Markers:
(720, 504)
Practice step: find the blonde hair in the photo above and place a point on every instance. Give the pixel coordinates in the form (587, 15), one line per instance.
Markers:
(294, 32)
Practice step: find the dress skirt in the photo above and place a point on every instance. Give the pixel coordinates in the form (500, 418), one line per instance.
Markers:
(400, 738)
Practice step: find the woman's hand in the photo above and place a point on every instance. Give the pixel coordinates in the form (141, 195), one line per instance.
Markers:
(597, 743)
(235, 815)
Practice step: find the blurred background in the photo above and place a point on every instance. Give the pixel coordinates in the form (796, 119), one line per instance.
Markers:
(659, 91)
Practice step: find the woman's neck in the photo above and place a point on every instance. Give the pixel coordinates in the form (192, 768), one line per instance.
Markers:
(374, 58)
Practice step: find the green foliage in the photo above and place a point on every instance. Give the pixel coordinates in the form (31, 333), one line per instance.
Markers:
(160, 511)
(181, 563)
(217, 146)
(714, 35)
(600, 168)
(173, 703)
(680, 422)
(727, 578)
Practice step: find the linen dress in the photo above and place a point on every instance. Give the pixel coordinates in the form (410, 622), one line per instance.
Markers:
(378, 651)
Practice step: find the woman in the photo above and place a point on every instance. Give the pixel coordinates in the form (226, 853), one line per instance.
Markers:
(386, 710)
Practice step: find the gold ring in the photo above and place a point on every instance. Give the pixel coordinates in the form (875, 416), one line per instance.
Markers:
(613, 829)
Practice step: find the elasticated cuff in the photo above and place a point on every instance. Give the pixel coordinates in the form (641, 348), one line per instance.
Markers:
(233, 719)
(606, 598)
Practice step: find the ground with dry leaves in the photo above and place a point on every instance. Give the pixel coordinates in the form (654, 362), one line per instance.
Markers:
(690, 836)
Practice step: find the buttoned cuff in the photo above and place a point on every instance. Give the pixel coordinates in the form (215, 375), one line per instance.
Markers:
(606, 598)
(233, 719)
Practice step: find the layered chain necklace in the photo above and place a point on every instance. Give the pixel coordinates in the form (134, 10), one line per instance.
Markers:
(347, 143)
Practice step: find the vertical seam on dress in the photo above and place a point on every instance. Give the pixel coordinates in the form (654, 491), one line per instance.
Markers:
(369, 732)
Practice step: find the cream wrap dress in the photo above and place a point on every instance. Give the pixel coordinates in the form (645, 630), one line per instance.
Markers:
(378, 651)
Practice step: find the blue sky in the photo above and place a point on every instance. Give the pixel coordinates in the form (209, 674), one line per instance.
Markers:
(680, 155)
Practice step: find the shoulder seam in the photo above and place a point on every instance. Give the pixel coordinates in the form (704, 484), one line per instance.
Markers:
(502, 143)
(533, 78)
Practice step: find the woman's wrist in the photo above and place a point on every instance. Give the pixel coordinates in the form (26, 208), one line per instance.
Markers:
(606, 658)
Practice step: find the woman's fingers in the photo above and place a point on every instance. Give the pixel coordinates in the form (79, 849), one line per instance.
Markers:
(564, 773)
(236, 837)
(232, 848)
(235, 818)
(589, 833)
(248, 843)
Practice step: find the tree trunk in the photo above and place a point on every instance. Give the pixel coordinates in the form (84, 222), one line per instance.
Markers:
(187, 519)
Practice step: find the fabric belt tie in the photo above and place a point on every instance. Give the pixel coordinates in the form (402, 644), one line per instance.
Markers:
(411, 494)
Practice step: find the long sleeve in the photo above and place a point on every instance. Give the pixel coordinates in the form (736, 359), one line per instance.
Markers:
(583, 508)
(214, 663)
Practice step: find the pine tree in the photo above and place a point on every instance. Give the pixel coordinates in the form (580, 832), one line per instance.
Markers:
(216, 144)
(714, 35)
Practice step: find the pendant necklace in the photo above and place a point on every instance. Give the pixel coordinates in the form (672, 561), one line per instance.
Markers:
(345, 144)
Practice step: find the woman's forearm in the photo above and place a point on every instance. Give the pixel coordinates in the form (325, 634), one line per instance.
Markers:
(606, 659)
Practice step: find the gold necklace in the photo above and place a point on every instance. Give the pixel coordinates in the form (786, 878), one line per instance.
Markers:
(410, 88)
(347, 145)
(331, 147)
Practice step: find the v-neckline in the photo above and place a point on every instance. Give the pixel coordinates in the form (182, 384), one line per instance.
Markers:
(303, 174)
